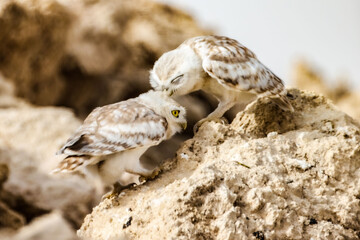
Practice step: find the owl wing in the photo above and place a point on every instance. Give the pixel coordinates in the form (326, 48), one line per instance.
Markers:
(235, 66)
(115, 128)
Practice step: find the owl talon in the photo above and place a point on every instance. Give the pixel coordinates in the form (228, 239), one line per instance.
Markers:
(117, 189)
(142, 179)
(108, 195)
(154, 174)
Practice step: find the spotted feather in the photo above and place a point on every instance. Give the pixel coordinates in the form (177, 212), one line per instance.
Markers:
(115, 128)
(235, 66)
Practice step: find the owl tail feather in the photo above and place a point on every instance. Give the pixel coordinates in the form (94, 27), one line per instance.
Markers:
(70, 163)
(283, 102)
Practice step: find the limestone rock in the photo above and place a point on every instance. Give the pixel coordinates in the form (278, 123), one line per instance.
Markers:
(269, 175)
(4, 174)
(7, 95)
(10, 218)
(29, 138)
(84, 54)
(51, 226)
(33, 36)
(345, 98)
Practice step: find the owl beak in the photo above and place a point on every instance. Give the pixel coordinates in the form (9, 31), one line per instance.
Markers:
(166, 90)
(183, 125)
(171, 93)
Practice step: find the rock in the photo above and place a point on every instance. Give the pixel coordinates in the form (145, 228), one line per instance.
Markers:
(340, 92)
(10, 218)
(269, 175)
(7, 95)
(33, 37)
(51, 226)
(29, 138)
(4, 174)
(87, 53)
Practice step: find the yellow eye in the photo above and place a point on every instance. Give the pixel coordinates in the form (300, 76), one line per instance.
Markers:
(175, 113)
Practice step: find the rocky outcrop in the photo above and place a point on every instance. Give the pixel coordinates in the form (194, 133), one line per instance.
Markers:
(29, 138)
(51, 226)
(269, 175)
(9, 218)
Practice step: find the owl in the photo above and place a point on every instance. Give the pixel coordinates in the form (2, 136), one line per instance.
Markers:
(220, 66)
(108, 145)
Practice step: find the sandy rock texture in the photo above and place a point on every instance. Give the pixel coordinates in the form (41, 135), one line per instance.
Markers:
(29, 138)
(50, 226)
(269, 175)
(84, 54)
(8, 217)
(341, 93)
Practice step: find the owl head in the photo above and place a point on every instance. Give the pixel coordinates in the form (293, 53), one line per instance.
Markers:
(177, 72)
(167, 107)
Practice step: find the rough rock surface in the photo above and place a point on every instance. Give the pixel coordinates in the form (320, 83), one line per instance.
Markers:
(51, 226)
(269, 175)
(29, 138)
(8, 217)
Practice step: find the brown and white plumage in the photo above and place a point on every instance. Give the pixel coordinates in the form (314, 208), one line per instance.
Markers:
(113, 137)
(221, 66)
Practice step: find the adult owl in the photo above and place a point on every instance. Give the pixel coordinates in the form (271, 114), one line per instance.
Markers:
(109, 143)
(220, 66)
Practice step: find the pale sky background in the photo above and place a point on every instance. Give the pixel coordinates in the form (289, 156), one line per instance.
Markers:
(326, 33)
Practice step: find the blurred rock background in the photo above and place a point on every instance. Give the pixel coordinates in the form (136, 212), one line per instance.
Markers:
(341, 92)
(86, 53)
(58, 61)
